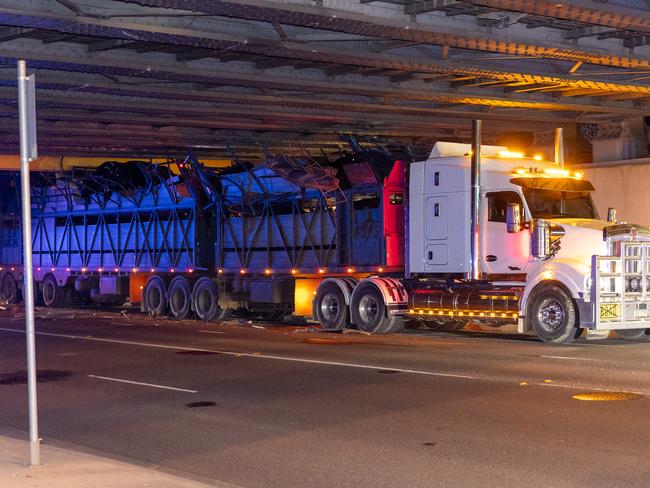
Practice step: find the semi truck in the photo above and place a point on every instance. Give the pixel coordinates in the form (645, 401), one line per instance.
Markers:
(473, 233)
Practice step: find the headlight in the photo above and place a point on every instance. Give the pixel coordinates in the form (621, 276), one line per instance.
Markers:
(632, 285)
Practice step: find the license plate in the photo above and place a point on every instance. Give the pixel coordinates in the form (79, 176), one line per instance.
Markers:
(641, 313)
(609, 311)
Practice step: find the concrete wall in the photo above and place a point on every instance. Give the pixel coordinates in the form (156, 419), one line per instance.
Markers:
(624, 185)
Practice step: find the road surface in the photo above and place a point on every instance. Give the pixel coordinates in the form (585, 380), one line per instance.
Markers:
(290, 406)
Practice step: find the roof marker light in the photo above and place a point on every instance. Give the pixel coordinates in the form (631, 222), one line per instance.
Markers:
(538, 157)
(511, 154)
(557, 172)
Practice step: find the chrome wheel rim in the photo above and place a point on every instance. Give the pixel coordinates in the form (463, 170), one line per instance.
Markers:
(551, 314)
(329, 307)
(368, 308)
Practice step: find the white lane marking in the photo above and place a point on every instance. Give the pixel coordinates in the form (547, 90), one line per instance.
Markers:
(262, 356)
(315, 361)
(570, 358)
(212, 331)
(152, 385)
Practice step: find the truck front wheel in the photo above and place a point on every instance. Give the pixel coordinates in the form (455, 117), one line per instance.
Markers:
(552, 315)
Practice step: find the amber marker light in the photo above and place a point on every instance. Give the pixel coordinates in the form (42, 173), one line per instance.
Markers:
(116, 269)
(267, 271)
(83, 270)
(321, 271)
(242, 271)
(381, 270)
(294, 271)
(511, 154)
(190, 270)
(134, 270)
(220, 271)
(350, 270)
(153, 270)
(537, 157)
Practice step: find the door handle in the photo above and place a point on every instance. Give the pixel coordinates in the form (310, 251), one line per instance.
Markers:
(490, 258)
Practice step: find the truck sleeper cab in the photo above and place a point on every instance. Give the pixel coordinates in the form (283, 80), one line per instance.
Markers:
(557, 267)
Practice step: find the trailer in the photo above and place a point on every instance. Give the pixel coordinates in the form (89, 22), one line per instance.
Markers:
(472, 233)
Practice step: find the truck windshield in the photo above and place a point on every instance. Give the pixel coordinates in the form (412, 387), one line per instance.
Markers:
(547, 204)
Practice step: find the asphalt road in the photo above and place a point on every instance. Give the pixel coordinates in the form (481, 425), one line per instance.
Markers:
(286, 406)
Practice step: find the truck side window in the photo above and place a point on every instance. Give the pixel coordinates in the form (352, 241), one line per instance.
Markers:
(498, 203)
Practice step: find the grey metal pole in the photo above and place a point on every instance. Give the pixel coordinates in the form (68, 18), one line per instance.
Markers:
(474, 238)
(28, 270)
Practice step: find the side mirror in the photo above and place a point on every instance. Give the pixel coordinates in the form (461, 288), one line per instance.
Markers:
(513, 218)
(611, 215)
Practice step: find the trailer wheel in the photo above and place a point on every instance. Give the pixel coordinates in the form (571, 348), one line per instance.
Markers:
(51, 292)
(153, 296)
(369, 310)
(179, 296)
(205, 300)
(631, 334)
(330, 307)
(10, 291)
(552, 314)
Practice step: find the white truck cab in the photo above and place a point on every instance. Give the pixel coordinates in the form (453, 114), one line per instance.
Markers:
(541, 245)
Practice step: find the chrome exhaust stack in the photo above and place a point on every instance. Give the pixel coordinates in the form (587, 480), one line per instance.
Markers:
(475, 195)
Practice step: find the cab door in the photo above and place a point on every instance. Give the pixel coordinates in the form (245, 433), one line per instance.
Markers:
(503, 253)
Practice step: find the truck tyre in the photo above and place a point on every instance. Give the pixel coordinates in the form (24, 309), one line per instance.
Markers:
(153, 296)
(205, 300)
(10, 291)
(631, 334)
(330, 307)
(179, 297)
(552, 315)
(369, 310)
(51, 292)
